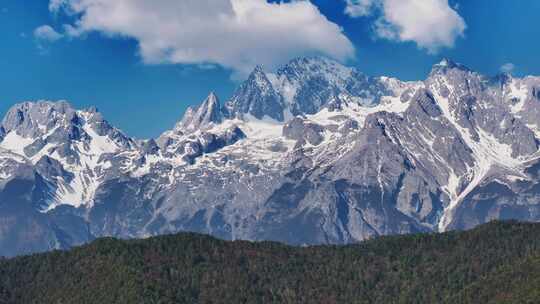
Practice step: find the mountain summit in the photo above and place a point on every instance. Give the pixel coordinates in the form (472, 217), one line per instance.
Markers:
(209, 112)
(314, 153)
(257, 97)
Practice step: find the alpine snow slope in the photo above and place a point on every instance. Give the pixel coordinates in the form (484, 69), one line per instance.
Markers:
(315, 153)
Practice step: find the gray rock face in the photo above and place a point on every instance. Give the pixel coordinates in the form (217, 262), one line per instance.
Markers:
(315, 153)
(257, 97)
(502, 195)
(303, 132)
(149, 147)
(33, 119)
(2, 133)
(205, 115)
(474, 107)
(318, 82)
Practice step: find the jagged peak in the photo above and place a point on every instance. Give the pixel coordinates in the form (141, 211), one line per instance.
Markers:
(313, 60)
(210, 108)
(258, 70)
(304, 68)
(258, 77)
(91, 110)
(208, 112)
(256, 96)
(447, 64)
(26, 106)
(258, 80)
(212, 98)
(33, 114)
(45, 111)
(32, 125)
(211, 104)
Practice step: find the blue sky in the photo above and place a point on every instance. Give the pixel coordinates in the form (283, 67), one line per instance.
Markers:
(143, 88)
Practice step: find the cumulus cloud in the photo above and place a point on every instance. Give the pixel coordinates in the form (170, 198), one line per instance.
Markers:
(359, 8)
(431, 24)
(236, 34)
(507, 68)
(47, 33)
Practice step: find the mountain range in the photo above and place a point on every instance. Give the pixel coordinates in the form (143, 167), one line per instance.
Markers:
(315, 153)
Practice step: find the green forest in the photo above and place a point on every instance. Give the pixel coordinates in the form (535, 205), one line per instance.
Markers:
(497, 262)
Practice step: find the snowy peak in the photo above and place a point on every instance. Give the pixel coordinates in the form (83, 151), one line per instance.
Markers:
(208, 113)
(68, 149)
(257, 97)
(96, 123)
(305, 68)
(312, 83)
(446, 65)
(212, 99)
(33, 129)
(445, 62)
(259, 75)
(30, 119)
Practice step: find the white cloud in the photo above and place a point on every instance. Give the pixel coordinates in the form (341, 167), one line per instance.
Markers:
(431, 24)
(55, 5)
(359, 8)
(507, 67)
(47, 33)
(236, 34)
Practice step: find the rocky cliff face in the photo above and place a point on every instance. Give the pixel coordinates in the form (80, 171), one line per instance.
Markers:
(315, 153)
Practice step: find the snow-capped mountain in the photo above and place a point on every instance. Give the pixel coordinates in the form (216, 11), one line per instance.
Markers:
(314, 153)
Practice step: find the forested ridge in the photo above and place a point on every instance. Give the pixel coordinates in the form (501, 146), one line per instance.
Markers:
(497, 262)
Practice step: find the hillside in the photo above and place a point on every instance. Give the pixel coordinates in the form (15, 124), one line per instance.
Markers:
(497, 262)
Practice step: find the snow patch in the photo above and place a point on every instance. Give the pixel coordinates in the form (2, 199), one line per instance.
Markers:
(519, 92)
(15, 143)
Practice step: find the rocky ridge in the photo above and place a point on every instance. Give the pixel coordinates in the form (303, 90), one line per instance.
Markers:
(314, 153)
